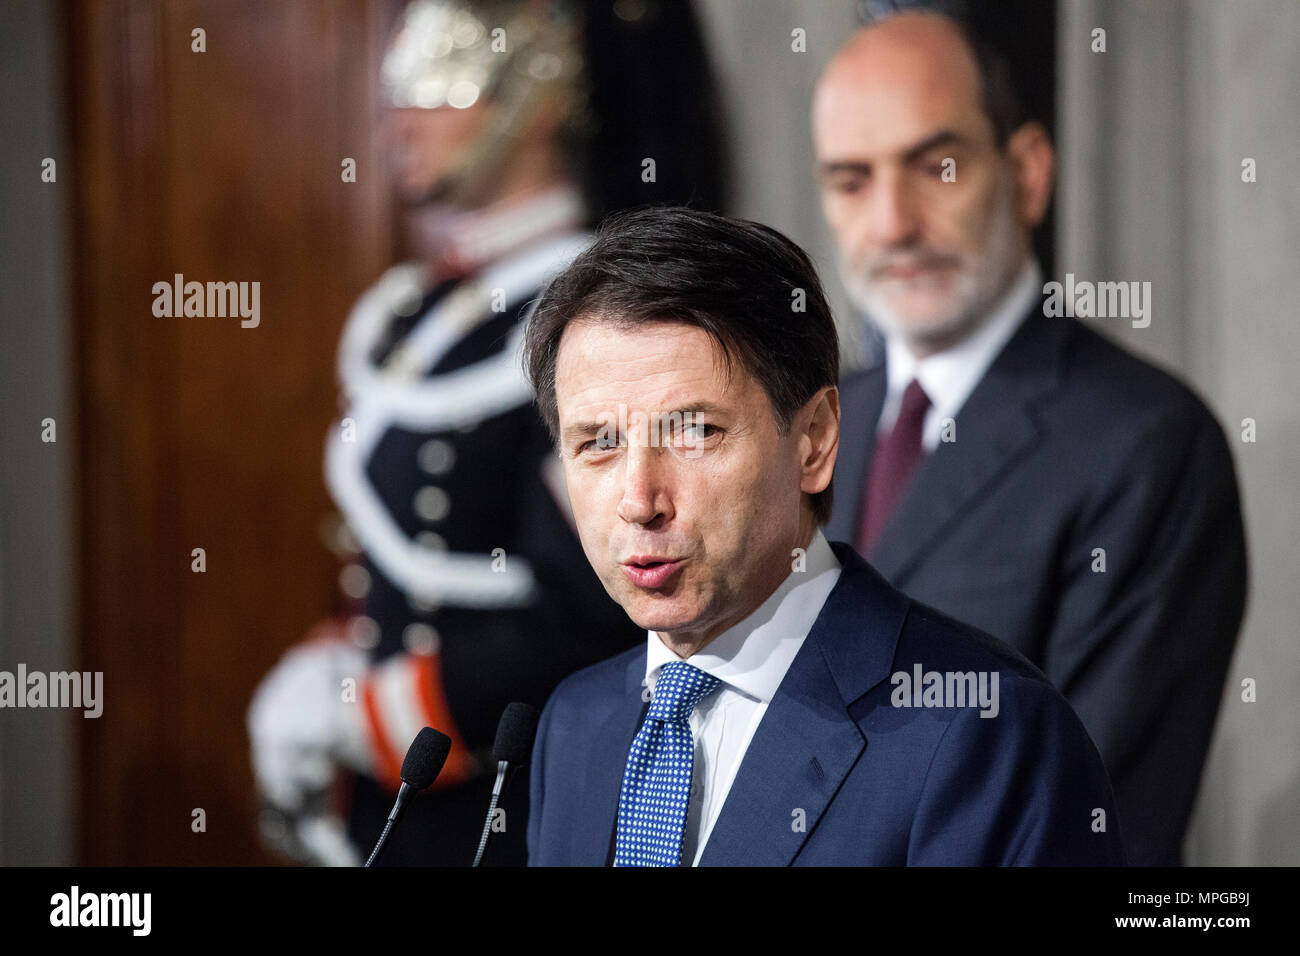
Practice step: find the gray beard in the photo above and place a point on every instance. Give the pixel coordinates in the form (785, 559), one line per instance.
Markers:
(977, 290)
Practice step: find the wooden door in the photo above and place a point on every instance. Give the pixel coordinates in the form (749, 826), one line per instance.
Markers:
(203, 432)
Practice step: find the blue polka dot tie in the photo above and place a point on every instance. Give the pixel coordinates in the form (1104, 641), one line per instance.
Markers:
(657, 782)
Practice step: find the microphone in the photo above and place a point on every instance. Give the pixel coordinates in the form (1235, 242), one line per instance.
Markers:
(423, 763)
(512, 748)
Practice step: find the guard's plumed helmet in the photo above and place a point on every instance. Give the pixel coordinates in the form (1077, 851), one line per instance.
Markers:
(516, 55)
(455, 52)
(630, 79)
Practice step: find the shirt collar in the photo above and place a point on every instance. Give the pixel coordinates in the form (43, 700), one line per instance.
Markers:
(753, 655)
(467, 240)
(950, 376)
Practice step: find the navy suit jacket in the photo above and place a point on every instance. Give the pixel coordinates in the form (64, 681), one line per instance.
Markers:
(835, 773)
(1069, 445)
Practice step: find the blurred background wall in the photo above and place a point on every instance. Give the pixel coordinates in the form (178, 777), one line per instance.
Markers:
(1153, 135)
(177, 435)
(36, 383)
(180, 434)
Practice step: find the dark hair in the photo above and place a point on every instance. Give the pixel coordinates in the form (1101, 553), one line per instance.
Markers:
(651, 94)
(999, 93)
(737, 280)
(1002, 103)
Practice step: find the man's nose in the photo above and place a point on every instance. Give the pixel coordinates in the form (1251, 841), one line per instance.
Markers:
(892, 215)
(645, 493)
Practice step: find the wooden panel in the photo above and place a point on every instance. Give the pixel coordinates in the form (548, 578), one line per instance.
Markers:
(195, 432)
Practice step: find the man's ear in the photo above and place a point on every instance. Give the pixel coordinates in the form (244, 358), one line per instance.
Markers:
(1033, 163)
(820, 441)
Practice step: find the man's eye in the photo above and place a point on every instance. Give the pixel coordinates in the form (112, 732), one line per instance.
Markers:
(600, 443)
(694, 434)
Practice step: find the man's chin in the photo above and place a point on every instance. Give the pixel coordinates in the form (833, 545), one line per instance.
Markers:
(424, 191)
(653, 612)
(917, 323)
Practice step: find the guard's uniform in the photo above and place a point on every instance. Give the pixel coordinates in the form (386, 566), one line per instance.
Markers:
(470, 589)
(478, 591)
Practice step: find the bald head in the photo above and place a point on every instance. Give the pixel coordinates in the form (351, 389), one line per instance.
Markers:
(921, 60)
(931, 196)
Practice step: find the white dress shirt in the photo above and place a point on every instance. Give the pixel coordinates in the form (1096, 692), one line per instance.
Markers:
(750, 659)
(949, 377)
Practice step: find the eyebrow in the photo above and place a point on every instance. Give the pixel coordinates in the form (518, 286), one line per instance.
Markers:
(697, 408)
(580, 430)
(944, 137)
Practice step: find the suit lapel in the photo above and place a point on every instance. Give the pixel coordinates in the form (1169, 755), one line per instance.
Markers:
(807, 742)
(994, 428)
(804, 746)
(608, 760)
(989, 437)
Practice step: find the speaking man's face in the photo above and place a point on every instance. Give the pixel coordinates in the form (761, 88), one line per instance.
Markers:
(922, 202)
(691, 528)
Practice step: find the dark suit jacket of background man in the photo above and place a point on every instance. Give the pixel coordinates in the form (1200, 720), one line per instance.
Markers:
(1069, 444)
(835, 773)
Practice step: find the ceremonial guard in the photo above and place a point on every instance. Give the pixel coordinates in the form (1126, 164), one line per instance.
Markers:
(515, 126)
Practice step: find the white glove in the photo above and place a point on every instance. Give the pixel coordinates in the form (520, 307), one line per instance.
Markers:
(303, 722)
(324, 837)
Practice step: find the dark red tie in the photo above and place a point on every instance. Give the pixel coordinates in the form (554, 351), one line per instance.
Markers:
(892, 465)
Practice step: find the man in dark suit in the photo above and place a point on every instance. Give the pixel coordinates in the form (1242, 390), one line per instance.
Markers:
(789, 706)
(1005, 463)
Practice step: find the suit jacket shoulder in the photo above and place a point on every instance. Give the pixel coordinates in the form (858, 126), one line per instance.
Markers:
(591, 693)
(1112, 382)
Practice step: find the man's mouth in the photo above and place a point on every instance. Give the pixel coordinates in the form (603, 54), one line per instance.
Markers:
(902, 273)
(905, 272)
(650, 571)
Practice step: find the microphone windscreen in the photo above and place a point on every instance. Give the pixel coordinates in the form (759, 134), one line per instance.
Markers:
(515, 734)
(425, 757)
